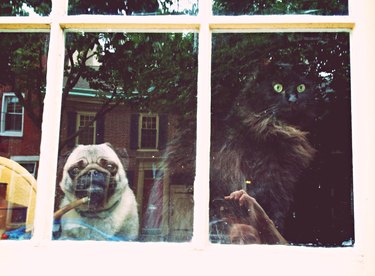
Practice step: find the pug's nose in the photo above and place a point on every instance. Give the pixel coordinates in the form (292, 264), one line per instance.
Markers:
(91, 179)
(93, 173)
(96, 177)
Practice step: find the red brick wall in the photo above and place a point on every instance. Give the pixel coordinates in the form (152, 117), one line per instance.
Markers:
(28, 144)
(117, 127)
(117, 132)
(117, 122)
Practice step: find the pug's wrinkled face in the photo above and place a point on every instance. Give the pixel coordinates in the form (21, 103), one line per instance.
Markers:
(96, 172)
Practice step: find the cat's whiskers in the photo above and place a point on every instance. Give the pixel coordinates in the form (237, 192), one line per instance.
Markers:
(269, 111)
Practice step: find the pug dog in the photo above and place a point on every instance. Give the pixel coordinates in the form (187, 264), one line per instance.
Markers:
(96, 172)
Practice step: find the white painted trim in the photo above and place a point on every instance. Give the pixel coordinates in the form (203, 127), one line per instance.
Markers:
(25, 158)
(47, 171)
(140, 120)
(8, 133)
(78, 125)
(189, 258)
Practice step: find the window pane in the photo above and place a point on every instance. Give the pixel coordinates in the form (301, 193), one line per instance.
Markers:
(25, 8)
(13, 122)
(148, 139)
(22, 89)
(281, 131)
(86, 128)
(134, 7)
(149, 131)
(30, 167)
(12, 114)
(139, 91)
(264, 7)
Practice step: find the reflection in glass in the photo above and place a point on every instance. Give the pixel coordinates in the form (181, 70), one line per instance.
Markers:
(126, 173)
(25, 8)
(281, 139)
(22, 89)
(266, 7)
(133, 7)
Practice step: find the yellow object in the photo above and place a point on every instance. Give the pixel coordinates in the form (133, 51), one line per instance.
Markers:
(20, 187)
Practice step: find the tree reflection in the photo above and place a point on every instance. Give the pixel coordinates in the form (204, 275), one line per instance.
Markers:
(264, 7)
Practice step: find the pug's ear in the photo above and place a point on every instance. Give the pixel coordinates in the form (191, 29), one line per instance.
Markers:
(62, 158)
(122, 155)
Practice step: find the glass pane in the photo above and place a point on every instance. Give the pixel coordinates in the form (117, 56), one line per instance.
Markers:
(22, 90)
(86, 129)
(134, 182)
(25, 8)
(281, 135)
(134, 7)
(264, 7)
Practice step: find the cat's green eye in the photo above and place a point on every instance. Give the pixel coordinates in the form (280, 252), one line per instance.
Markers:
(301, 88)
(278, 87)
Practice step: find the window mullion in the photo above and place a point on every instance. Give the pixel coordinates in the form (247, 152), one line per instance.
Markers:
(155, 23)
(201, 186)
(362, 105)
(50, 135)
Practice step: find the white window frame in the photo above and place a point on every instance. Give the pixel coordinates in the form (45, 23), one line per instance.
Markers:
(140, 127)
(4, 110)
(45, 255)
(27, 159)
(93, 126)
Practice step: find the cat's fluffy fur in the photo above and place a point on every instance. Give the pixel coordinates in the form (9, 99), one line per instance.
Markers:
(256, 148)
(260, 151)
(266, 158)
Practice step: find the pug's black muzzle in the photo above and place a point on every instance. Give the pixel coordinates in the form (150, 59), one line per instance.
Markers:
(98, 186)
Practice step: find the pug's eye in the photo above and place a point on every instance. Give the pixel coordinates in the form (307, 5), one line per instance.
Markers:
(108, 165)
(112, 168)
(278, 87)
(73, 172)
(301, 88)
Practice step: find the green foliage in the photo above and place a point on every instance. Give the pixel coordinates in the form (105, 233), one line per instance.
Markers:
(128, 7)
(17, 7)
(112, 7)
(264, 7)
(237, 56)
(23, 61)
(107, 7)
(154, 71)
(23, 68)
(158, 71)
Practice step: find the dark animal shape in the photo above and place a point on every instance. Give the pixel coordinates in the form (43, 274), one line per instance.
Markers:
(260, 149)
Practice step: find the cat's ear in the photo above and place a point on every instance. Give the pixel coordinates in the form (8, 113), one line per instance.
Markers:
(265, 68)
(261, 65)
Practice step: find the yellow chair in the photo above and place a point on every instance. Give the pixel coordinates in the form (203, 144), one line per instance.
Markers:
(18, 191)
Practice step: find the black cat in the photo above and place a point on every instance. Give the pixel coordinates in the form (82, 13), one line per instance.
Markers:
(261, 149)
